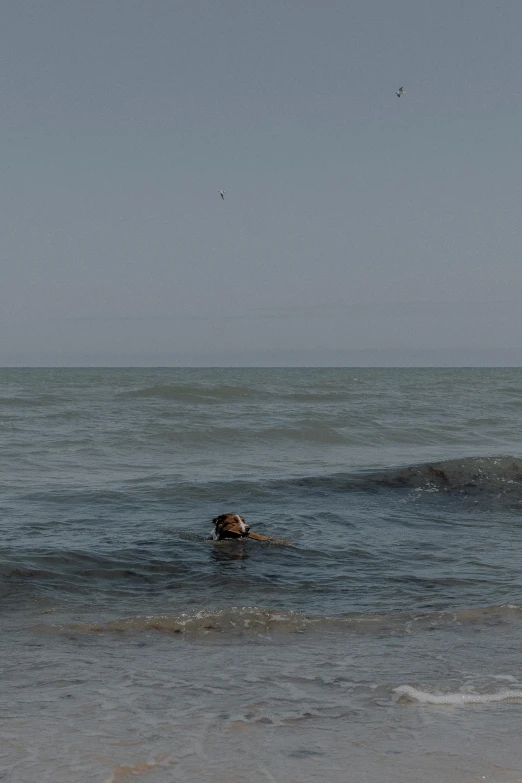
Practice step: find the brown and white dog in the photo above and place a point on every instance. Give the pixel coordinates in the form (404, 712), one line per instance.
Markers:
(230, 526)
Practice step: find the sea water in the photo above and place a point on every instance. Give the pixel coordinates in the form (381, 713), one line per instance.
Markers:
(383, 645)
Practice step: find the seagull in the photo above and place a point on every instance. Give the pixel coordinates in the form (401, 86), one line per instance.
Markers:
(400, 92)
(222, 194)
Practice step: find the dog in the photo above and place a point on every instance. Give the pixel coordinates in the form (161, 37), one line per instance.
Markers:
(229, 526)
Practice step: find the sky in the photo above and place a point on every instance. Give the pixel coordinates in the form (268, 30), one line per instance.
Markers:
(357, 228)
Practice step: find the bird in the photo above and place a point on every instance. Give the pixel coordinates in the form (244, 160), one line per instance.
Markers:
(222, 194)
(400, 92)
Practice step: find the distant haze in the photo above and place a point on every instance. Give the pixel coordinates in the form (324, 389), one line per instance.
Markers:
(357, 227)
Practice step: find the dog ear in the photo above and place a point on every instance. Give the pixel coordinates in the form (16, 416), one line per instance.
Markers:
(218, 519)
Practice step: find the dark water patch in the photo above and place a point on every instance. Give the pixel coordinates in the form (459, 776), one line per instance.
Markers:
(72, 573)
(36, 401)
(306, 431)
(192, 567)
(196, 394)
(322, 396)
(73, 496)
(514, 390)
(231, 437)
(72, 415)
(436, 582)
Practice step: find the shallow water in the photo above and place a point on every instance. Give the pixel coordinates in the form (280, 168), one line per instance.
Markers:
(382, 646)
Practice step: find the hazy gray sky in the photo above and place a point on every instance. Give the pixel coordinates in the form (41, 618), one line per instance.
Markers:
(357, 228)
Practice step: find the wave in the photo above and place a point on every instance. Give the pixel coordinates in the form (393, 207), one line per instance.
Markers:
(236, 619)
(255, 620)
(306, 431)
(497, 475)
(407, 693)
(31, 402)
(494, 476)
(73, 568)
(468, 475)
(196, 393)
(496, 479)
(199, 393)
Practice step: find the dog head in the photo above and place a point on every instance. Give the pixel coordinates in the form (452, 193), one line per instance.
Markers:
(230, 526)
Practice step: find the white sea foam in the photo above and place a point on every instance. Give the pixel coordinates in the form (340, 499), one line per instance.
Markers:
(456, 698)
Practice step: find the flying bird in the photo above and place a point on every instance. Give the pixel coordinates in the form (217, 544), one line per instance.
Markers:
(222, 194)
(400, 92)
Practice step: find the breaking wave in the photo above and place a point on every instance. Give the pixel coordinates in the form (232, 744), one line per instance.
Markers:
(407, 693)
(467, 476)
(485, 476)
(255, 620)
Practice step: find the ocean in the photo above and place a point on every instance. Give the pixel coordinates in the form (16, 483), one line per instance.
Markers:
(383, 646)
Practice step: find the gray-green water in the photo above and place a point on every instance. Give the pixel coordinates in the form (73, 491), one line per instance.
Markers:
(383, 645)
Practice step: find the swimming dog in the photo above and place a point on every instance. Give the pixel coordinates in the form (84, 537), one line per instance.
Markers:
(230, 526)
